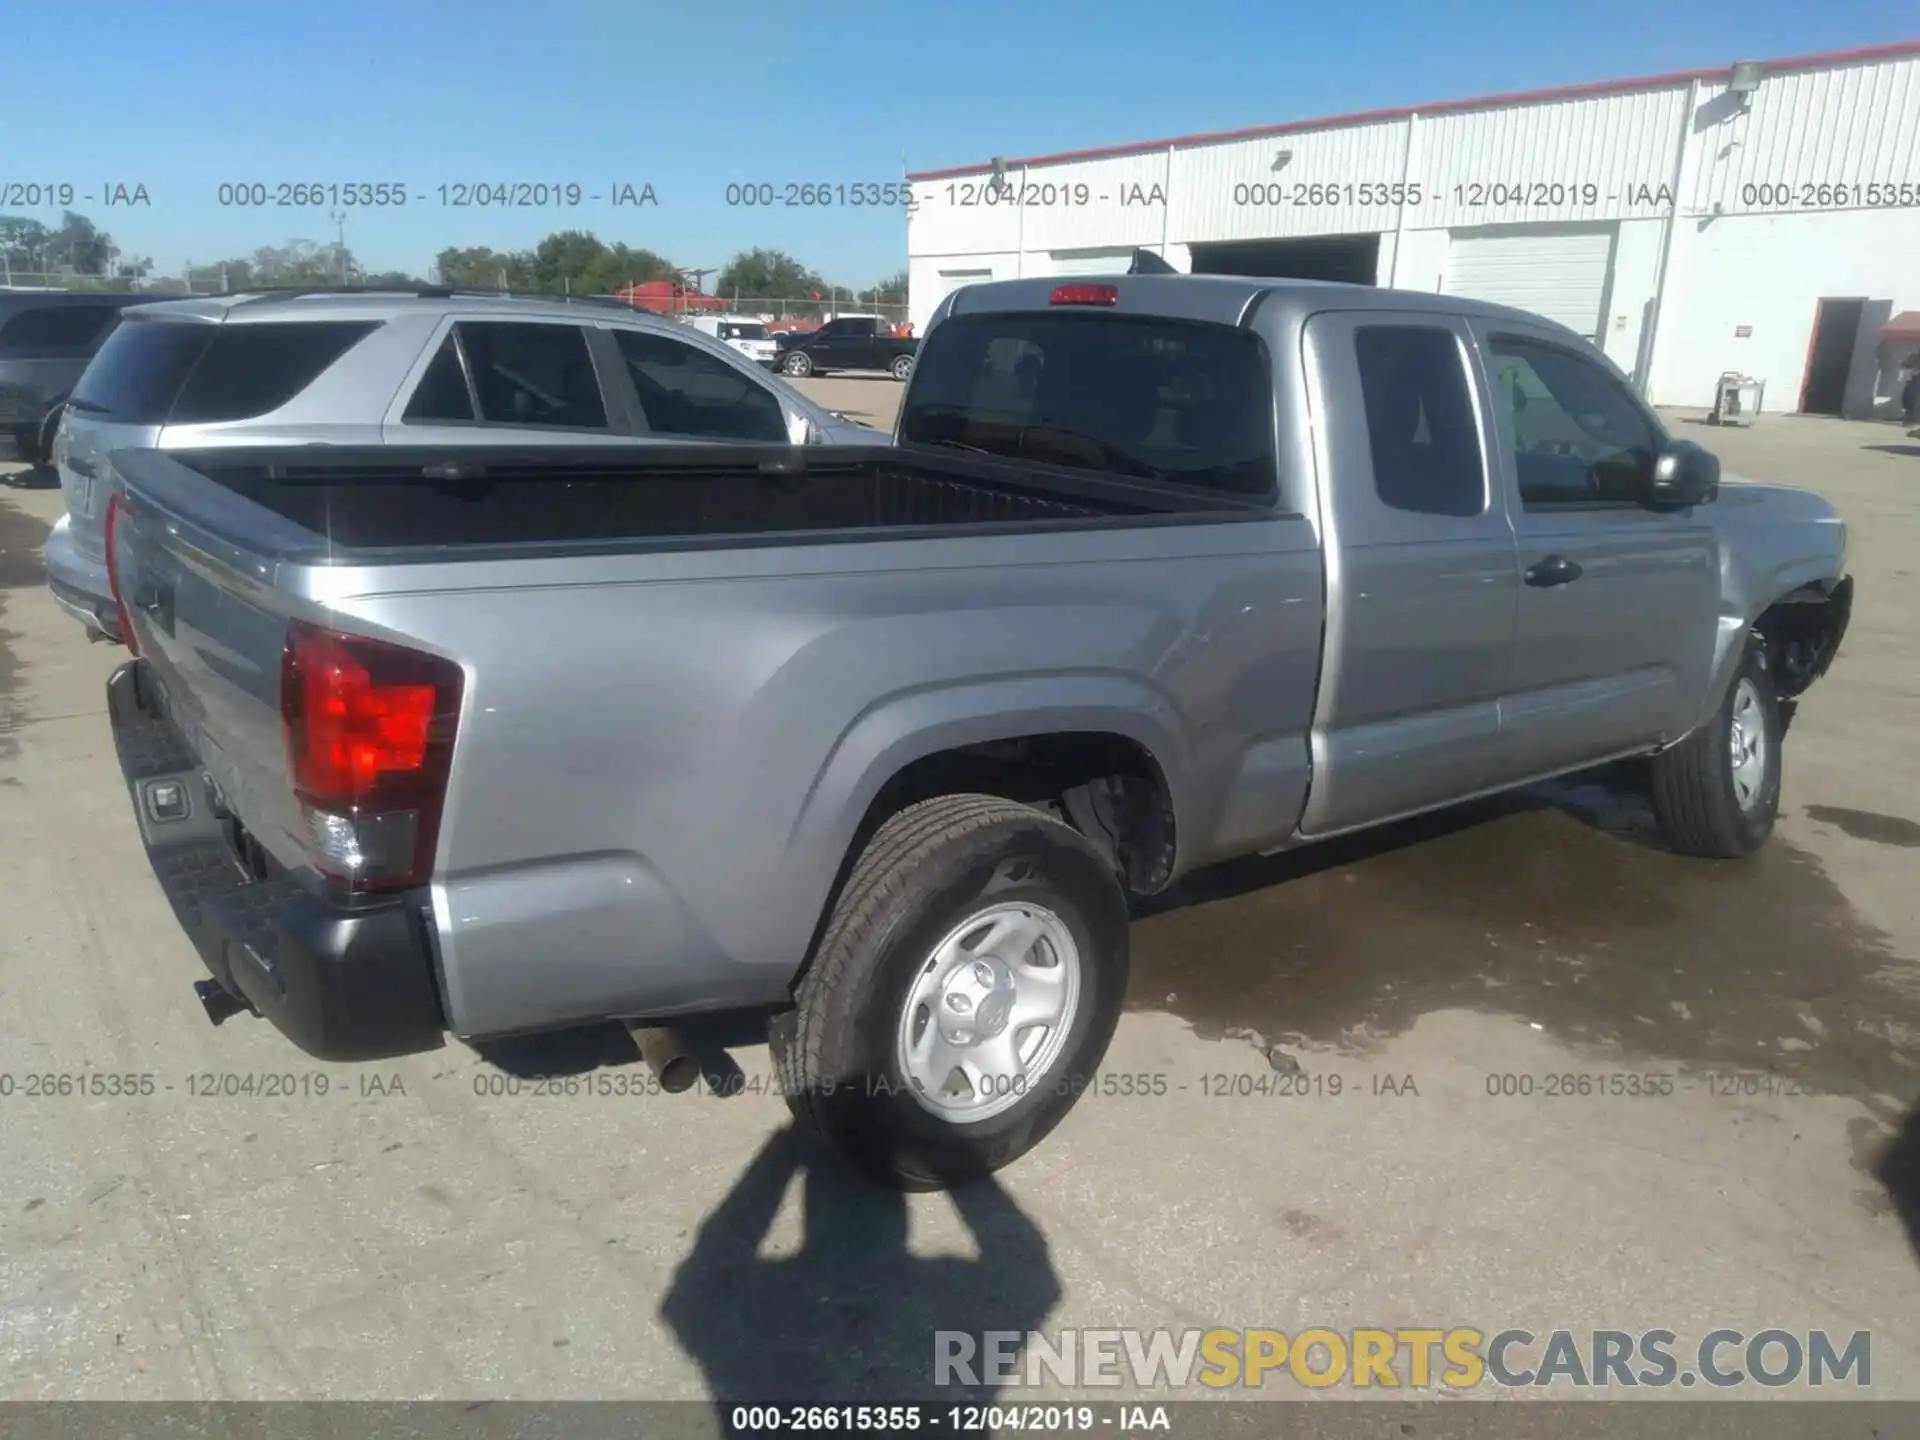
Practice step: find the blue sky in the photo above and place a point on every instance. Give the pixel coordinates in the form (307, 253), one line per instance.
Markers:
(692, 97)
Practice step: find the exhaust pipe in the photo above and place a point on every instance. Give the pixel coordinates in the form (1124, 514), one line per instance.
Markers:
(219, 1002)
(667, 1055)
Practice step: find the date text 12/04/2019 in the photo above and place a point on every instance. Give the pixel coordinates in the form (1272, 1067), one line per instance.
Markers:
(1066, 194)
(951, 1419)
(1471, 194)
(458, 195)
(58, 194)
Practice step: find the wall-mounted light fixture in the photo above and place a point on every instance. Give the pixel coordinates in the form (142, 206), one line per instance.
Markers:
(1745, 79)
(999, 173)
(1282, 159)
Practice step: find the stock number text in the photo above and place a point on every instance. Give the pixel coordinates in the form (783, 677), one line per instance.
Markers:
(1318, 192)
(297, 194)
(1822, 197)
(766, 195)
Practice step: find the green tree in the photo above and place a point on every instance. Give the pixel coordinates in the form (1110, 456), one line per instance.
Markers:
(890, 291)
(769, 275)
(81, 246)
(298, 262)
(480, 267)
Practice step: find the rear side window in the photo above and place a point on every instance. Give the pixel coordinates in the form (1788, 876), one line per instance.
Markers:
(134, 377)
(249, 370)
(530, 374)
(1179, 401)
(56, 329)
(1426, 449)
(684, 391)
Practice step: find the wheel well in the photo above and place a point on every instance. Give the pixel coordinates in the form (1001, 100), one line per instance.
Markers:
(1802, 632)
(1107, 786)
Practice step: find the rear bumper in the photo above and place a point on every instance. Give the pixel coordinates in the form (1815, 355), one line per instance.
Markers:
(79, 585)
(342, 981)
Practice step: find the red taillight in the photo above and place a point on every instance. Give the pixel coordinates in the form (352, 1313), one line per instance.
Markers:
(369, 731)
(1085, 295)
(113, 574)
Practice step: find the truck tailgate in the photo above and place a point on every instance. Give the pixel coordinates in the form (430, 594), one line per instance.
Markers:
(206, 619)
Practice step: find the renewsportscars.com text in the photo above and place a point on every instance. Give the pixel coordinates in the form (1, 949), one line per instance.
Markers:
(1457, 1358)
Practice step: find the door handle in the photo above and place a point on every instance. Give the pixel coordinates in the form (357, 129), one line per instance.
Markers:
(1554, 570)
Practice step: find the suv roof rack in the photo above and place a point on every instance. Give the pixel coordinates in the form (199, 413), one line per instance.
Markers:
(422, 292)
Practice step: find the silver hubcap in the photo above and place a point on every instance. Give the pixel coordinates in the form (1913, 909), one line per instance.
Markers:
(1747, 745)
(989, 1012)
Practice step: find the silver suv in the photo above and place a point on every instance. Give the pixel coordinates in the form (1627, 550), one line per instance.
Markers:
(419, 367)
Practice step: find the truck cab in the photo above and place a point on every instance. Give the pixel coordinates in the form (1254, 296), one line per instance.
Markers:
(848, 342)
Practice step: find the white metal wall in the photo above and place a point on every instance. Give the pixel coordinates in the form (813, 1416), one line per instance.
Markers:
(1671, 166)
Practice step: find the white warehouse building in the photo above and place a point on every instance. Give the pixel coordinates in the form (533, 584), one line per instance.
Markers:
(1762, 218)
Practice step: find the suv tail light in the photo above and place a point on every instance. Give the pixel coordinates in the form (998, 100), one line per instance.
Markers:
(113, 574)
(369, 730)
(1085, 295)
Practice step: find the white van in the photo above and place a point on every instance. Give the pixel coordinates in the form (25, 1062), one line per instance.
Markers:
(744, 333)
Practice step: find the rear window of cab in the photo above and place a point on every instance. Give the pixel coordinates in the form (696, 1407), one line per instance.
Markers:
(1182, 402)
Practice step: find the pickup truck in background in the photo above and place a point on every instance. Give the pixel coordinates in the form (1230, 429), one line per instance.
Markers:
(847, 342)
(1162, 570)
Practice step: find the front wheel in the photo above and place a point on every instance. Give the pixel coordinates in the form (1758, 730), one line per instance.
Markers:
(798, 364)
(1717, 792)
(963, 993)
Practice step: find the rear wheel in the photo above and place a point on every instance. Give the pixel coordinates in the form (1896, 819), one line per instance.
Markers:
(25, 443)
(902, 367)
(797, 364)
(1717, 792)
(963, 993)
(43, 451)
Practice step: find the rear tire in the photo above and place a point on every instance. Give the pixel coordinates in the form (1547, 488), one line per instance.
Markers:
(798, 364)
(24, 444)
(45, 452)
(43, 449)
(902, 368)
(932, 932)
(1718, 791)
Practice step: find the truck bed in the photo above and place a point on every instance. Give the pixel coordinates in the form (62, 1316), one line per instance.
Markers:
(389, 501)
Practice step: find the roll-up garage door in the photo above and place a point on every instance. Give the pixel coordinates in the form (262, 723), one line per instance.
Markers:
(1560, 272)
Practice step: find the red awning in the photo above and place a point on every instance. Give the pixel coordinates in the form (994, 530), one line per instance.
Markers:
(1904, 325)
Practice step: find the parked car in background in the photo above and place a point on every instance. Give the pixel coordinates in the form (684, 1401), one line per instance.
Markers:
(419, 368)
(46, 339)
(743, 332)
(1163, 571)
(847, 342)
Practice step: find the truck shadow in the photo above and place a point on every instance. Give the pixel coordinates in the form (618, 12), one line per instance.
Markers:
(850, 1317)
(1897, 1167)
(1559, 906)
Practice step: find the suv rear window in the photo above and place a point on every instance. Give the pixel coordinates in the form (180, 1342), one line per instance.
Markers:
(53, 329)
(1184, 402)
(154, 372)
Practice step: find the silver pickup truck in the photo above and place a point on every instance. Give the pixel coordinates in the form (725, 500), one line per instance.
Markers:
(1161, 570)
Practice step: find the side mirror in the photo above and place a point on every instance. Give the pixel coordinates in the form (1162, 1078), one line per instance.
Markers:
(1684, 474)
